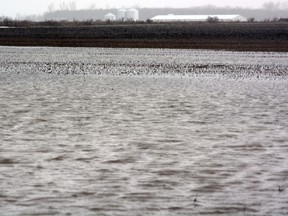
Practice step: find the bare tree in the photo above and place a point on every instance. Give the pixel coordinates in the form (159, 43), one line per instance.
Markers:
(51, 7)
(92, 6)
(272, 5)
(63, 6)
(251, 19)
(274, 19)
(212, 19)
(72, 5)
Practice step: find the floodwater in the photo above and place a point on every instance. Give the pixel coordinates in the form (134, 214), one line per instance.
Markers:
(143, 132)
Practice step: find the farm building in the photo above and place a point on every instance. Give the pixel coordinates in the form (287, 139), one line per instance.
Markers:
(128, 15)
(283, 20)
(110, 16)
(198, 18)
(132, 14)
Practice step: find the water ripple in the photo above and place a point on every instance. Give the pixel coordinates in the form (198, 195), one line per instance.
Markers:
(181, 133)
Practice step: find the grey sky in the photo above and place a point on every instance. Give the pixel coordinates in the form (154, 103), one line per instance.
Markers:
(13, 7)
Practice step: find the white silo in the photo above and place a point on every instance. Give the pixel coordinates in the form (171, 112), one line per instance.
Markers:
(121, 14)
(132, 14)
(110, 16)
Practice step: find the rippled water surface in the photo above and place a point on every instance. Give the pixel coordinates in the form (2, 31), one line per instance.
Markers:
(143, 132)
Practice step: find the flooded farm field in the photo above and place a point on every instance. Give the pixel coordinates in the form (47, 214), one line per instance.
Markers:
(91, 131)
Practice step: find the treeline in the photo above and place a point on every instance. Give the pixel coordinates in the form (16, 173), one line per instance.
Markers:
(267, 13)
(8, 22)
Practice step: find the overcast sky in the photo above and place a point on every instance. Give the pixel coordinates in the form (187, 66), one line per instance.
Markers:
(27, 7)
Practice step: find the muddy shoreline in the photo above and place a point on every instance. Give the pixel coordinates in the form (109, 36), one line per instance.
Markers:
(217, 36)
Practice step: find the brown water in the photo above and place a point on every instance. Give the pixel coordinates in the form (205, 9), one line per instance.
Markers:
(94, 142)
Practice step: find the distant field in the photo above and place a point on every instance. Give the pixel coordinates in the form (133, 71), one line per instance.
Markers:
(227, 36)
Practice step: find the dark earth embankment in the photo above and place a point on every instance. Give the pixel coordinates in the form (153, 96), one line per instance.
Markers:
(226, 36)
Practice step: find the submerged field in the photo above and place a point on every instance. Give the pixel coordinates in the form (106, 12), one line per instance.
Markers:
(92, 131)
(218, 36)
